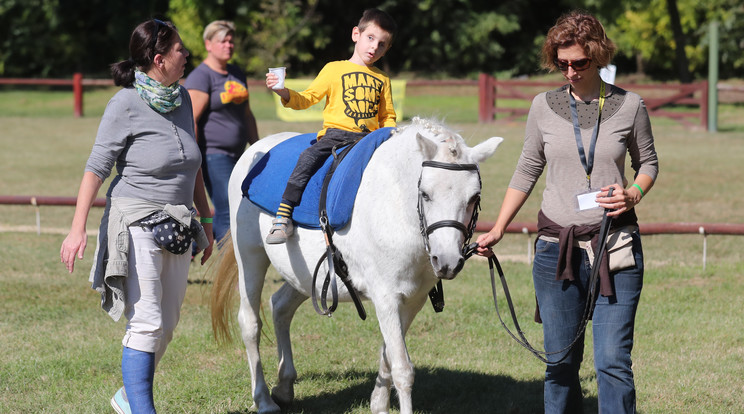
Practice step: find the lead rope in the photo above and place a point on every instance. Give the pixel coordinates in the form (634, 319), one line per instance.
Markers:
(493, 261)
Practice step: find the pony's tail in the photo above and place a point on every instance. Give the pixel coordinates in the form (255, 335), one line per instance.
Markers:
(223, 291)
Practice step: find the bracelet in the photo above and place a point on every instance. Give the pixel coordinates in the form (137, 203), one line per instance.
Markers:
(639, 189)
(205, 220)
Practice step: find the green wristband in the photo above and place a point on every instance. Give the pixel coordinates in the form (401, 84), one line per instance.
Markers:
(639, 189)
(205, 220)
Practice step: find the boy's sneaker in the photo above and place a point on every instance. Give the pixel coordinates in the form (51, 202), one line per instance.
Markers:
(281, 229)
(120, 403)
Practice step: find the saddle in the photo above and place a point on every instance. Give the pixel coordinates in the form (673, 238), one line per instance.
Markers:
(265, 182)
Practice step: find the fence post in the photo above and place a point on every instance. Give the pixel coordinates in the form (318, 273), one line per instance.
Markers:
(486, 98)
(713, 77)
(77, 91)
(704, 105)
(701, 230)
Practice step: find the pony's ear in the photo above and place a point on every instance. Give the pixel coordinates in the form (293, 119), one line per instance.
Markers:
(427, 147)
(485, 149)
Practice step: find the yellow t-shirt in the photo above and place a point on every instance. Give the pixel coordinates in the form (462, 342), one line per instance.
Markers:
(357, 97)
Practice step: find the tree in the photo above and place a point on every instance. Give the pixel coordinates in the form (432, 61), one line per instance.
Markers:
(444, 38)
(267, 33)
(679, 42)
(437, 38)
(644, 29)
(54, 38)
(730, 15)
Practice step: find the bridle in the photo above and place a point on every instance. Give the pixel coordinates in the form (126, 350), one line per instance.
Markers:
(436, 295)
(468, 230)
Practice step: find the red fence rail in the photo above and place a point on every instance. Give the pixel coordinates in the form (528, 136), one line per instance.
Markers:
(644, 228)
(46, 201)
(703, 229)
(481, 226)
(528, 229)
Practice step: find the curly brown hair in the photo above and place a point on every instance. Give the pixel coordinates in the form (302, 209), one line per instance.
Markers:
(578, 28)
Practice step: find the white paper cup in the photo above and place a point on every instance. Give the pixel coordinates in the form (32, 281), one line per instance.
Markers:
(280, 73)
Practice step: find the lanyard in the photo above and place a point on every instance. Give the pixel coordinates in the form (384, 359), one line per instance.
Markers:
(587, 163)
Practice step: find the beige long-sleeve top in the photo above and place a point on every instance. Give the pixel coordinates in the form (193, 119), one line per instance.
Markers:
(625, 129)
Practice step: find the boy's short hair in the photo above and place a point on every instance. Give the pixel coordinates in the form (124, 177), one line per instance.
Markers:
(380, 19)
(219, 28)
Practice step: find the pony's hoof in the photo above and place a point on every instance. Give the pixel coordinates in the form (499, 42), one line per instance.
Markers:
(284, 401)
(380, 408)
(269, 407)
(380, 401)
(270, 410)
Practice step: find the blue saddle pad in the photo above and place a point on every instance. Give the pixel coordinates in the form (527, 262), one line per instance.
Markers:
(265, 182)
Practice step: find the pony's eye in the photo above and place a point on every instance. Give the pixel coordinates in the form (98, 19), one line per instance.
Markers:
(474, 198)
(425, 196)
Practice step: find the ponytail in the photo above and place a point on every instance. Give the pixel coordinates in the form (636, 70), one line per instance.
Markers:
(123, 72)
(148, 38)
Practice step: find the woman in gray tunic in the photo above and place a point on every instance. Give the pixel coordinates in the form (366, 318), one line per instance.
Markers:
(147, 133)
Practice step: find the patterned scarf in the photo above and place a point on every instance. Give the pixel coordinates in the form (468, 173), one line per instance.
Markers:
(161, 98)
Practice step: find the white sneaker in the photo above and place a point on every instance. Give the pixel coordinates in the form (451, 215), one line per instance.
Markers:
(120, 403)
(281, 229)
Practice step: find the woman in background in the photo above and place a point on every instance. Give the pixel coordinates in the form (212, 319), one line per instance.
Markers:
(223, 117)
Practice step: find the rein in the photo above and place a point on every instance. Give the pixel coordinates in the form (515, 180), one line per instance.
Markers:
(436, 294)
(334, 258)
(588, 307)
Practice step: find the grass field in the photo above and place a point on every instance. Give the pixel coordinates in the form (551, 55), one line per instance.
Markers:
(59, 353)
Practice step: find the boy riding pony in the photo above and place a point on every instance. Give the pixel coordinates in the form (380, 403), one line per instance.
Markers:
(358, 101)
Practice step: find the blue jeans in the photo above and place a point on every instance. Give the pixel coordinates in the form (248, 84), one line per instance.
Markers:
(562, 304)
(216, 169)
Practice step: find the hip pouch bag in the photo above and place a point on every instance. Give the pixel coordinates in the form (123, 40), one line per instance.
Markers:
(169, 233)
(620, 250)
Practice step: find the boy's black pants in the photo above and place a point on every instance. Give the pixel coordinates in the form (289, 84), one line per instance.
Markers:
(312, 159)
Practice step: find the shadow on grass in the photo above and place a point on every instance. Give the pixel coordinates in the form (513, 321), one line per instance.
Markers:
(435, 391)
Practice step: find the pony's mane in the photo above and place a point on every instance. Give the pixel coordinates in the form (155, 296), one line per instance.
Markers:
(443, 135)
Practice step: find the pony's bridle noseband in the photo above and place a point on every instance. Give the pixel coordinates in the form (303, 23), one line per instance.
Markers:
(436, 295)
(468, 230)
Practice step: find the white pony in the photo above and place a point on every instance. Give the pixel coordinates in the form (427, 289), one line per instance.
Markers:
(384, 224)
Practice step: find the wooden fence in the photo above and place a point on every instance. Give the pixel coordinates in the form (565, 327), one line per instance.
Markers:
(494, 96)
(497, 96)
(77, 82)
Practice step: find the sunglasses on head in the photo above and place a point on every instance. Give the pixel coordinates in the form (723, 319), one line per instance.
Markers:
(577, 65)
(154, 37)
